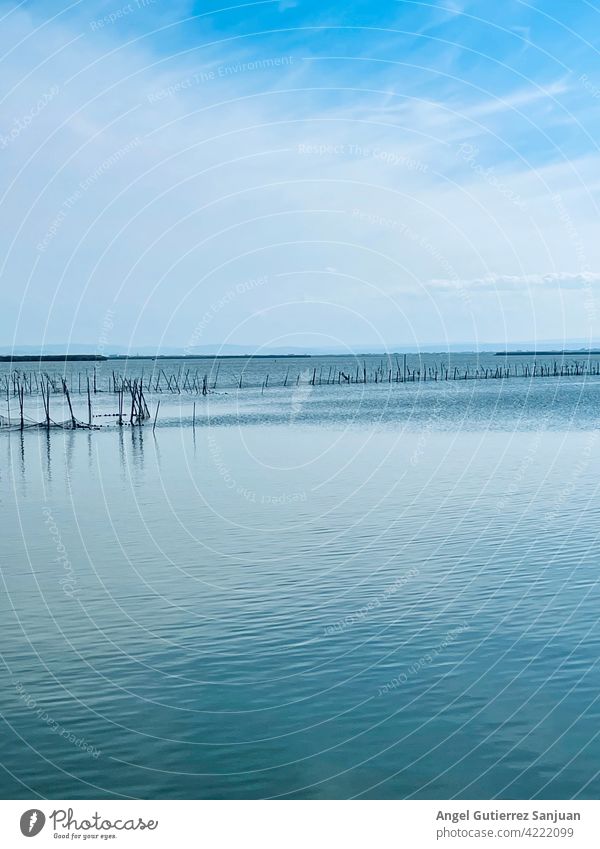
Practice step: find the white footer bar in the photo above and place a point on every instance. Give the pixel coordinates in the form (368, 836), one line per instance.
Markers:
(300, 824)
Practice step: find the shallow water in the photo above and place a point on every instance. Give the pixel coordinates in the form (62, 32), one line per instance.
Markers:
(570, 401)
(332, 606)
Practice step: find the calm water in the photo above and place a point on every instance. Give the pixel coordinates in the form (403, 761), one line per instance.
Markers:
(297, 392)
(326, 592)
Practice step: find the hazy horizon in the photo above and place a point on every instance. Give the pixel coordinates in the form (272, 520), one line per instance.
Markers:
(290, 350)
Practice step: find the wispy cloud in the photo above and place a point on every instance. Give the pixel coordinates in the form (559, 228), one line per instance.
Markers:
(522, 282)
(247, 159)
(518, 99)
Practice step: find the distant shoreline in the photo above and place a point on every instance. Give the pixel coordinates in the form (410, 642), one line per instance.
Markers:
(581, 353)
(100, 358)
(52, 358)
(103, 358)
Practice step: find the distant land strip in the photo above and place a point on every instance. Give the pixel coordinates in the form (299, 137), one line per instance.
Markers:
(52, 358)
(86, 358)
(581, 353)
(101, 358)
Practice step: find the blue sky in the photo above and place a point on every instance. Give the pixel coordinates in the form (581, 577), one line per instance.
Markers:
(294, 173)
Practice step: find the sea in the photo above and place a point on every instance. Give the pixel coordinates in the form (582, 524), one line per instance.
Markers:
(286, 584)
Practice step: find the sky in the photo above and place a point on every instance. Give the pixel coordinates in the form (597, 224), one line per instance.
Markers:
(288, 174)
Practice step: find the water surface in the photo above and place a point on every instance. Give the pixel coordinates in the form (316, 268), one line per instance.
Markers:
(307, 598)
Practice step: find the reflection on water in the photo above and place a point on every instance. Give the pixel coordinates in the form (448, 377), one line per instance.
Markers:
(301, 611)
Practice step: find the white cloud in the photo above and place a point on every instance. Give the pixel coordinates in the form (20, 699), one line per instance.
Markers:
(216, 190)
